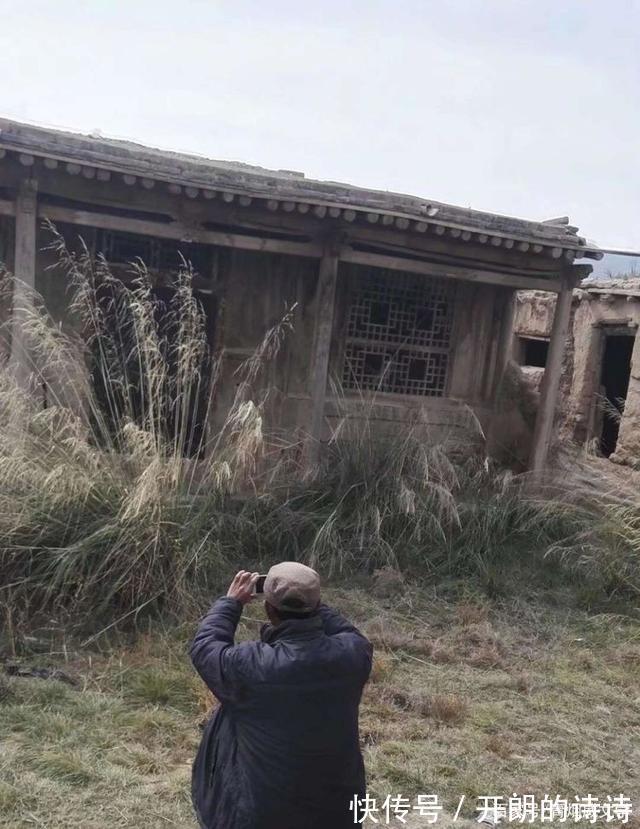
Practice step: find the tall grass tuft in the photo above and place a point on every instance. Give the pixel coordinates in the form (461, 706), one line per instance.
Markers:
(112, 484)
(431, 503)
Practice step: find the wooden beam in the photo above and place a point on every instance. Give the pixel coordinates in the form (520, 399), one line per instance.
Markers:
(543, 431)
(24, 271)
(179, 231)
(399, 263)
(325, 307)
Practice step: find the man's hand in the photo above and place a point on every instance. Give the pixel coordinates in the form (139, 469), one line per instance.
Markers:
(241, 587)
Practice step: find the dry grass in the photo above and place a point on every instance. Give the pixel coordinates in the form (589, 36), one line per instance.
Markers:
(115, 750)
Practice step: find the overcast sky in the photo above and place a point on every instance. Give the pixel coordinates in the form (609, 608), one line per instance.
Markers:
(524, 107)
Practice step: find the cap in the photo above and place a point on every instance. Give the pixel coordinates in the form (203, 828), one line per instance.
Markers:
(292, 586)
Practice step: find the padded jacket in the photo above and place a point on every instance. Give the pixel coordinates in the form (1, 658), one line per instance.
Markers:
(282, 749)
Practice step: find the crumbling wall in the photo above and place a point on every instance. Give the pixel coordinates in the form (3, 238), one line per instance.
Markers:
(534, 313)
(597, 308)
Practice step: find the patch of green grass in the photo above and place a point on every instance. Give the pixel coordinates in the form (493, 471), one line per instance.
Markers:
(68, 766)
(159, 686)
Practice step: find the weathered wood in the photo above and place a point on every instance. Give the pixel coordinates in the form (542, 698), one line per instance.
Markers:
(325, 308)
(24, 270)
(543, 431)
(177, 230)
(444, 271)
(505, 342)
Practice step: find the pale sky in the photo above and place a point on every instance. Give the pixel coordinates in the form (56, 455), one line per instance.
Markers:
(524, 107)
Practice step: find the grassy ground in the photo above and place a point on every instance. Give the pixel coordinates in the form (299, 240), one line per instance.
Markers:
(465, 698)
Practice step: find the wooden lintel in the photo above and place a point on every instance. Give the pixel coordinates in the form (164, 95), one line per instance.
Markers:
(179, 231)
(399, 263)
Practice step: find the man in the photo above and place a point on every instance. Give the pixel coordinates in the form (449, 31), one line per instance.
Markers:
(282, 750)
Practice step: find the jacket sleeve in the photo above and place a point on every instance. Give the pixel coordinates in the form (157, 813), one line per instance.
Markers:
(337, 625)
(213, 644)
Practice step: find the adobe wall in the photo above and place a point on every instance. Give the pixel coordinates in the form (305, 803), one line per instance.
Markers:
(597, 308)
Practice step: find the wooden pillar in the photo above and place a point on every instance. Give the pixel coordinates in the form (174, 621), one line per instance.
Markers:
(24, 271)
(505, 340)
(325, 307)
(543, 431)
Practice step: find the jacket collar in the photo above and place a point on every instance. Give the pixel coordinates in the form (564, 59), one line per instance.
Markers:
(292, 629)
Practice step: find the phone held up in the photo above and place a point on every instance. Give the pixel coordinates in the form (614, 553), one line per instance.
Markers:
(259, 585)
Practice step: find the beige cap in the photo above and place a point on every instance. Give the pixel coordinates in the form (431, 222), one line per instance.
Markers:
(292, 586)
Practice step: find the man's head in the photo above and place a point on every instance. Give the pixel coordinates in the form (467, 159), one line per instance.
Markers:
(291, 591)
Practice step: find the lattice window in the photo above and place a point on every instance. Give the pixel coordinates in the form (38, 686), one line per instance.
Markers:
(398, 333)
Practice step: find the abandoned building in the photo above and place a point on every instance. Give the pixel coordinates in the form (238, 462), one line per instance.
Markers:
(599, 404)
(402, 300)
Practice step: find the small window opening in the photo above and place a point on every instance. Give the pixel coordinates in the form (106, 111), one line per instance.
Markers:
(533, 352)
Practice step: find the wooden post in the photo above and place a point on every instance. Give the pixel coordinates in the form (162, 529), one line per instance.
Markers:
(543, 431)
(24, 271)
(505, 341)
(325, 306)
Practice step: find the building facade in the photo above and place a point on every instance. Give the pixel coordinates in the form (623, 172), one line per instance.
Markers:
(404, 302)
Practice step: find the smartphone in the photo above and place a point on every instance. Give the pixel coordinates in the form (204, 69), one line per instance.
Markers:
(259, 586)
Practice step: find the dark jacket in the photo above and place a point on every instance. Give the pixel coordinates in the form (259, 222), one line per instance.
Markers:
(282, 749)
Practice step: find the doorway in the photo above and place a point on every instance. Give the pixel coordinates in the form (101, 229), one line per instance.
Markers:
(614, 383)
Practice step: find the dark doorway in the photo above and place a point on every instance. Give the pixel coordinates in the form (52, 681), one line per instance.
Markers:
(616, 368)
